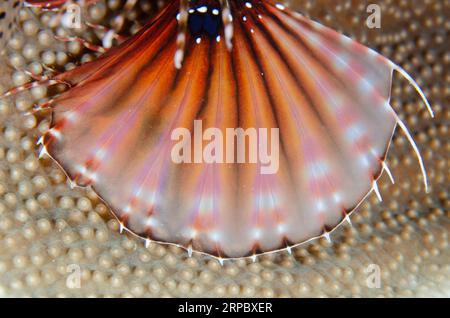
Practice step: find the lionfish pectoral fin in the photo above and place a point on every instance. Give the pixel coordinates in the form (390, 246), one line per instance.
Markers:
(133, 122)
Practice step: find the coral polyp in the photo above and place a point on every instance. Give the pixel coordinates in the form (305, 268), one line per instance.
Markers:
(47, 229)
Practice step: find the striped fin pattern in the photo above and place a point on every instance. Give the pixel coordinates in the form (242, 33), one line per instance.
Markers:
(328, 95)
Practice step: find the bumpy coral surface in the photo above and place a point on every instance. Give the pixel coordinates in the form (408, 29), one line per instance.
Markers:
(51, 235)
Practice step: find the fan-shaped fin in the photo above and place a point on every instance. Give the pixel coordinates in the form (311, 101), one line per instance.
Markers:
(9, 13)
(120, 127)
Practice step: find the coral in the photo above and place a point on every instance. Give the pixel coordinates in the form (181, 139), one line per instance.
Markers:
(49, 231)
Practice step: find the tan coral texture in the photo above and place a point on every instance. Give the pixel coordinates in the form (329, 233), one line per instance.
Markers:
(49, 232)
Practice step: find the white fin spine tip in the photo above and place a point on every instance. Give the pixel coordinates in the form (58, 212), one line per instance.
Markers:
(289, 250)
(326, 235)
(72, 184)
(388, 171)
(416, 150)
(189, 250)
(40, 141)
(147, 243)
(347, 219)
(43, 152)
(377, 190)
(415, 85)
